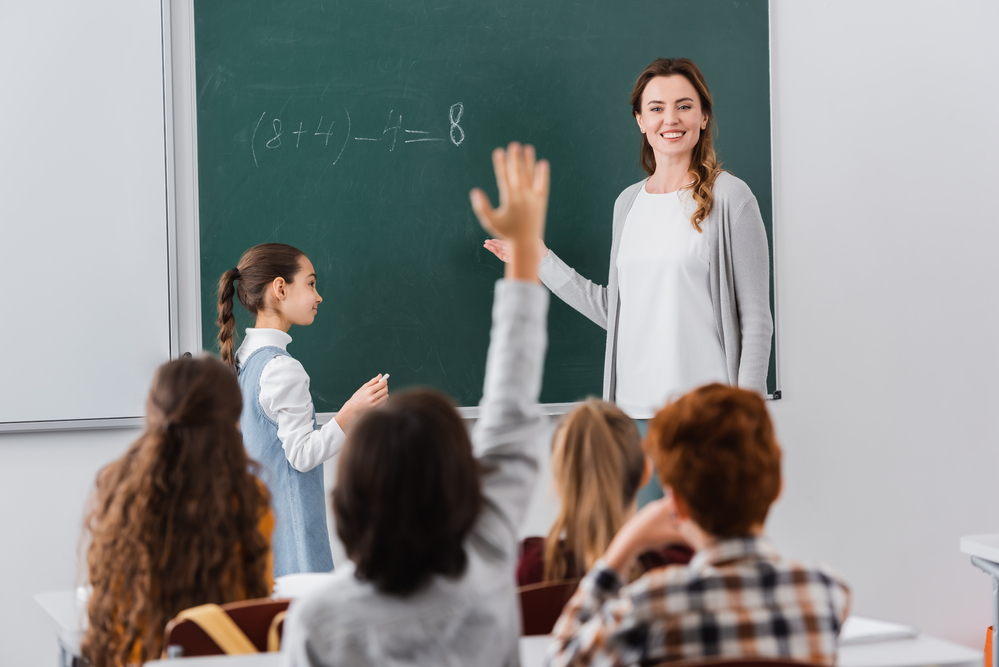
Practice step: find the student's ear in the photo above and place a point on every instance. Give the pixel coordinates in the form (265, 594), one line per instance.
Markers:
(647, 473)
(278, 289)
(638, 119)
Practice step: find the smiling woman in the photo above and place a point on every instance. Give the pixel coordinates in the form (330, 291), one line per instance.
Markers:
(687, 300)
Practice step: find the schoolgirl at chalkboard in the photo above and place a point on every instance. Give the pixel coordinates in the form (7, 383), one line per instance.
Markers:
(277, 283)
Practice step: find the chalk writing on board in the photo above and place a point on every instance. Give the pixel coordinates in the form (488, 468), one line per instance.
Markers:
(454, 118)
(273, 139)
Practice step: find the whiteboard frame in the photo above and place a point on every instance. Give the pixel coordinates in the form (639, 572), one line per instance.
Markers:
(185, 133)
(173, 314)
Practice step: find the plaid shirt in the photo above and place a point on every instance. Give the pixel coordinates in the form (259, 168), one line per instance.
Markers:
(736, 599)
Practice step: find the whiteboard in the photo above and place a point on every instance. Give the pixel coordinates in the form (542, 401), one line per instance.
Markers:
(84, 212)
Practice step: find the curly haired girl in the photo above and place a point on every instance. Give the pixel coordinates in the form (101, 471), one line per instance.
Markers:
(180, 520)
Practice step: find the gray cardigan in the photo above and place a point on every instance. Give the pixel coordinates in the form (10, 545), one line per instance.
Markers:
(739, 281)
(474, 619)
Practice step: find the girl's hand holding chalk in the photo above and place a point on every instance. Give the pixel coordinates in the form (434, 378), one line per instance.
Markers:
(372, 393)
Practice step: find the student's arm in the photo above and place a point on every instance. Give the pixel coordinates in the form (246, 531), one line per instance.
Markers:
(751, 269)
(285, 398)
(598, 625)
(510, 426)
(589, 298)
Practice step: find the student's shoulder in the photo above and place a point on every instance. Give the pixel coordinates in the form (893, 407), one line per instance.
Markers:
(328, 607)
(284, 367)
(815, 572)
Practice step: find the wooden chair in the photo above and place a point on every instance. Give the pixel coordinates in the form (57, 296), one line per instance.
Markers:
(541, 605)
(184, 638)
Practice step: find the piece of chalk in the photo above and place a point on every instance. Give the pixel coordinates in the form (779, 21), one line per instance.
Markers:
(384, 377)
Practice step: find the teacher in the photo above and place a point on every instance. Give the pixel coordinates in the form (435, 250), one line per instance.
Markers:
(688, 294)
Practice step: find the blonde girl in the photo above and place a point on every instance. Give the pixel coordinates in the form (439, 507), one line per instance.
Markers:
(598, 467)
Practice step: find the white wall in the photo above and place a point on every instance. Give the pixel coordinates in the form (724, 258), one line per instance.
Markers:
(886, 143)
(45, 479)
(884, 116)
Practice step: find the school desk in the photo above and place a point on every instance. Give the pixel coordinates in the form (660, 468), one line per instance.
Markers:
(66, 611)
(984, 552)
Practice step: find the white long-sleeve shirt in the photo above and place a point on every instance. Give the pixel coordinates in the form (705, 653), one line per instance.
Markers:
(285, 399)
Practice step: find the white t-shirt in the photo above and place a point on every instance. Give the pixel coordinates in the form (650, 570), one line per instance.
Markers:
(285, 398)
(668, 342)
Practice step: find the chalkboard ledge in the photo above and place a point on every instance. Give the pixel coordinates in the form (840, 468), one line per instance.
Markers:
(473, 412)
(546, 409)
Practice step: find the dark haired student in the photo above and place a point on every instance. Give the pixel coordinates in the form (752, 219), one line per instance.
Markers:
(277, 283)
(429, 517)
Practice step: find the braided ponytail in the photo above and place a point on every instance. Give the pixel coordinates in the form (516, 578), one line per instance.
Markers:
(227, 321)
(257, 268)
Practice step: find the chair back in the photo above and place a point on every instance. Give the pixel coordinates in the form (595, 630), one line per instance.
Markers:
(253, 617)
(541, 605)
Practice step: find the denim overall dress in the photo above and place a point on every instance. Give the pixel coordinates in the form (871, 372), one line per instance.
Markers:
(301, 541)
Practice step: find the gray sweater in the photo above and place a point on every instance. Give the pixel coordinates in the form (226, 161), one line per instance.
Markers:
(474, 619)
(739, 284)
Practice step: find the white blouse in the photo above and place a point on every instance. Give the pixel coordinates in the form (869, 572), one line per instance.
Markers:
(285, 399)
(668, 342)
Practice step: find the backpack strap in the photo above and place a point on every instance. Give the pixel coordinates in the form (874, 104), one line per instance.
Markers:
(273, 639)
(220, 627)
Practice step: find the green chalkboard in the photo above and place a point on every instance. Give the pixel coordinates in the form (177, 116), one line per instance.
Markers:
(354, 129)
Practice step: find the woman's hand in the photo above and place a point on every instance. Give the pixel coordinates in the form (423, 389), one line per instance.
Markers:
(523, 185)
(501, 249)
(372, 393)
(652, 526)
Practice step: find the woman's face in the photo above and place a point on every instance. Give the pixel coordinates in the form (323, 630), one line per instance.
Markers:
(671, 117)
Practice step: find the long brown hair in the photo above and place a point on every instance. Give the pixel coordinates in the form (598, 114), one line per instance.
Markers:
(598, 463)
(174, 523)
(257, 268)
(704, 163)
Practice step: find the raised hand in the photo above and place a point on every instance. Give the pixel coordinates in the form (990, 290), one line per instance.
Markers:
(372, 393)
(523, 184)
